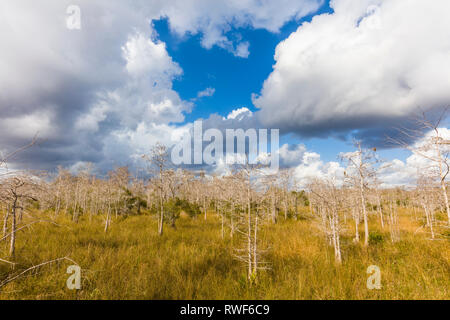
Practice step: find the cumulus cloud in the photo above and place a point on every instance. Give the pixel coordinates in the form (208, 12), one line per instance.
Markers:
(423, 161)
(312, 167)
(361, 69)
(105, 94)
(306, 165)
(82, 89)
(239, 114)
(148, 57)
(291, 155)
(390, 174)
(94, 92)
(215, 20)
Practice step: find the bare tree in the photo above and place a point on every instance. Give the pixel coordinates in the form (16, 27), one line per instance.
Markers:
(437, 150)
(329, 202)
(360, 171)
(159, 158)
(16, 191)
(432, 146)
(251, 252)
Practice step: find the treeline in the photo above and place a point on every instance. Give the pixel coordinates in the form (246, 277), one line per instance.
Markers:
(245, 200)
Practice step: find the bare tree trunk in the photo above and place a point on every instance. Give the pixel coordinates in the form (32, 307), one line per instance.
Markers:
(222, 216)
(108, 217)
(12, 248)
(393, 223)
(232, 220)
(255, 247)
(58, 200)
(161, 219)
(363, 204)
(20, 214)
(443, 186)
(444, 191)
(429, 220)
(356, 218)
(75, 210)
(5, 220)
(380, 211)
(204, 206)
(336, 238)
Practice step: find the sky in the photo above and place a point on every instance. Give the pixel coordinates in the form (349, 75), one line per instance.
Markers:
(139, 72)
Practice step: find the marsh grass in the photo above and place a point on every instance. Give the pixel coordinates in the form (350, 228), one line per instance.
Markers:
(193, 262)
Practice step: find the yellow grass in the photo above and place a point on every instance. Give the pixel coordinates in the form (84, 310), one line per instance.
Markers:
(193, 262)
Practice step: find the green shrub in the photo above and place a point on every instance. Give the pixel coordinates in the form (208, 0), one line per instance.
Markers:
(376, 238)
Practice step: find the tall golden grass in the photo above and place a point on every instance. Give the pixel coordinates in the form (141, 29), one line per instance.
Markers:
(193, 262)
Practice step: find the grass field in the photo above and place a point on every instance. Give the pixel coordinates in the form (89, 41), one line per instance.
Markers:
(193, 262)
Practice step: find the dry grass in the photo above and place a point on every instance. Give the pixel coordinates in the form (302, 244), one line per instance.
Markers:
(193, 262)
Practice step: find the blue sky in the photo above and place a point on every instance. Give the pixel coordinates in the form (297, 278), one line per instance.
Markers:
(235, 79)
(107, 91)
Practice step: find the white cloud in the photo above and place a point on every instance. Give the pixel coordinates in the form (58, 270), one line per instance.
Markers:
(291, 155)
(367, 65)
(395, 173)
(112, 80)
(90, 120)
(242, 50)
(399, 173)
(208, 92)
(307, 165)
(313, 167)
(239, 114)
(215, 19)
(147, 57)
(27, 126)
(80, 89)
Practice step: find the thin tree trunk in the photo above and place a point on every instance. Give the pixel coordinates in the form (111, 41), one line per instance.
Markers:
(429, 220)
(232, 220)
(356, 218)
(274, 214)
(161, 219)
(108, 216)
(363, 204)
(222, 216)
(204, 206)
(336, 239)
(12, 248)
(20, 214)
(5, 220)
(255, 247)
(443, 186)
(380, 211)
